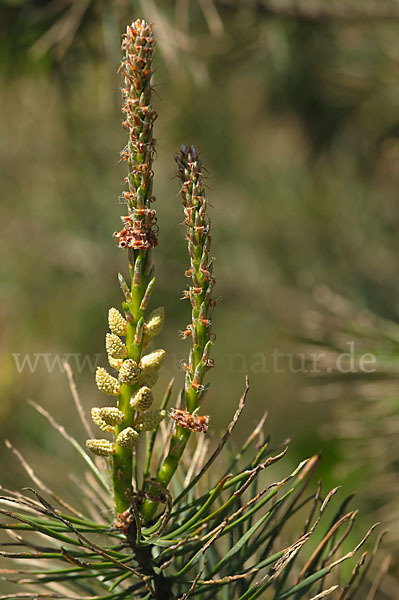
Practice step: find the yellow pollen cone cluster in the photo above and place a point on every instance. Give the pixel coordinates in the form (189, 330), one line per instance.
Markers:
(117, 323)
(142, 400)
(106, 383)
(149, 420)
(129, 372)
(114, 346)
(127, 438)
(101, 447)
(155, 321)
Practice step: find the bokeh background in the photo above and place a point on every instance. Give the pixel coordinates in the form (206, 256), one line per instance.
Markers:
(295, 109)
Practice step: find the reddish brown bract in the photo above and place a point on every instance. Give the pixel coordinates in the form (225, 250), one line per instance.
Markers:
(138, 233)
(189, 421)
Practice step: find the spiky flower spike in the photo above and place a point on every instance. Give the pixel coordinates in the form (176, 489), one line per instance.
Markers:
(138, 235)
(200, 290)
(139, 226)
(200, 295)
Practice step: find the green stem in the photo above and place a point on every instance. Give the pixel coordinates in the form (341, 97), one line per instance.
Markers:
(151, 435)
(122, 459)
(166, 470)
(122, 464)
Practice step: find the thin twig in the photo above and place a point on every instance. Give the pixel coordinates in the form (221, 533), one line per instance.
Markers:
(202, 441)
(313, 509)
(194, 584)
(377, 580)
(37, 481)
(71, 440)
(89, 544)
(256, 432)
(353, 552)
(229, 578)
(340, 540)
(354, 576)
(314, 557)
(325, 593)
(78, 403)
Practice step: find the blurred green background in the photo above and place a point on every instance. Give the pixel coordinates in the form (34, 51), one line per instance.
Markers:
(296, 115)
